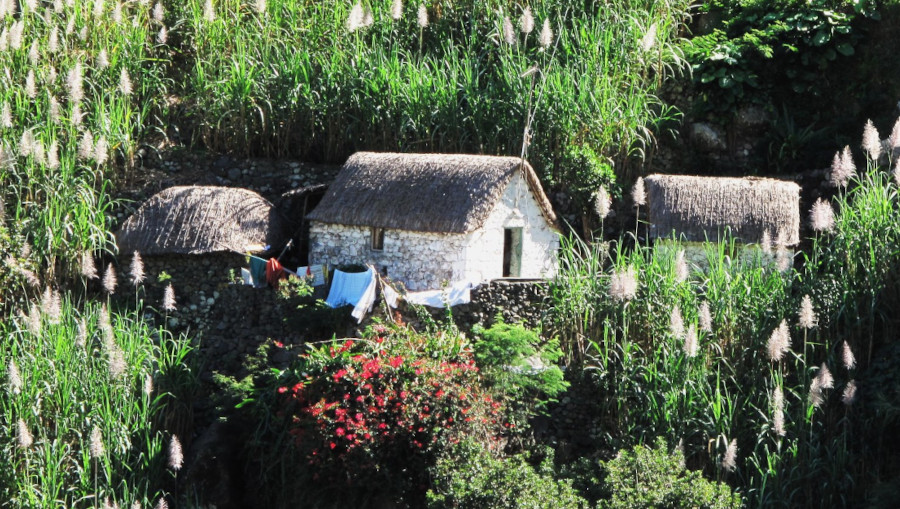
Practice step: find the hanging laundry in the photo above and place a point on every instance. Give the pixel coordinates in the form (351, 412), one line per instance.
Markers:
(390, 295)
(257, 271)
(274, 272)
(367, 300)
(245, 275)
(457, 293)
(348, 288)
(318, 274)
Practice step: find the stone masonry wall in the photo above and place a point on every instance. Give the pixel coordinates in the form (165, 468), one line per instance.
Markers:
(421, 261)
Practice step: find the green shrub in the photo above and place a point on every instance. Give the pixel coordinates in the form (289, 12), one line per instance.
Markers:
(648, 477)
(468, 476)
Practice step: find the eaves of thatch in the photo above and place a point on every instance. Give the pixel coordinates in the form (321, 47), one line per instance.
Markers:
(439, 193)
(700, 208)
(199, 220)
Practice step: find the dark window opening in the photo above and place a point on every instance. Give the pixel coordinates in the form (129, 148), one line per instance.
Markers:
(378, 239)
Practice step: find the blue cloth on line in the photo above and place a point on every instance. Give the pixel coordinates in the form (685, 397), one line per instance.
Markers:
(348, 288)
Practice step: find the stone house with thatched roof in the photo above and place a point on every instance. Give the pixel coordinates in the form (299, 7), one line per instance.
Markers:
(696, 209)
(198, 235)
(427, 219)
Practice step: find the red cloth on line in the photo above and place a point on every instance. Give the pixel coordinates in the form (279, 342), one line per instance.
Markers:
(274, 272)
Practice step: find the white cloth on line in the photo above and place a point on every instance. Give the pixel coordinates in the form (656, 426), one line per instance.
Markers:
(367, 300)
(390, 295)
(348, 288)
(245, 275)
(457, 293)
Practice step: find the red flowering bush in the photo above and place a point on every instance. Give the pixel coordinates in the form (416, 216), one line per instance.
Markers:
(369, 412)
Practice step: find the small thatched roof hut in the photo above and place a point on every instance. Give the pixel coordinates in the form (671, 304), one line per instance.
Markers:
(200, 220)
(438, 193)
(701, 208)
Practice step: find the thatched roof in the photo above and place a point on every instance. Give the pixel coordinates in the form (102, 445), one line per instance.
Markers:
(197, 220)
(446, 193)
(700, 208)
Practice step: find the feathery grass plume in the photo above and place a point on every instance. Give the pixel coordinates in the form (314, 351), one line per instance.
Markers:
(37, 152)
(807, 315)
(368, 18)
(109, 280)
(681, 268)
(849, 395)
(168, 302)
(51, 306)
(102, 59)
(34, 54)
(15, 34)
(260, 6)
(70, 26)
(778, 411)
(783, 259)
(691, 347)
(53, 43)
(162, 36)
(88, 269)
(86, 146)
(98, 8)
(6, 116)
(509, 33)
(53, 155)
(676, 323)
(82, 34)
(355, 18)
(896, 173)
(871, 142)
(546, 37)
(101, 151)
(15, 379)
(136, 505)
(31, 4)
(397, 10)
(779, 342)
(137, 269)
(26, 143)
(30, 89)
(894, 138)
(847, 357)
(117, 363)
(74, 83)
(125, 86)
(705, 317)
(729, 460)
(148, 385)
(825, 378)
(816, 396)
(96, 443)
(117, 13)
(765, 243)
(639, 193)
(81, 334)
(23, 436)
(4, 40)
(209, 12)
(602, 203)
(822, 216)
(526, 21)
(57, 6)
(25, 251)
(77, 115)
(649, 38)
(176, 457)
(623, 284)
(158, 13)
(106, 328)
(422, 16)
(162, 504)
(53, 110)
(34, 320)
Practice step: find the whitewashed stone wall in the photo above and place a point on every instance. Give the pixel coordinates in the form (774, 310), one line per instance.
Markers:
(425, 261)
(421, 261)
(517, 208)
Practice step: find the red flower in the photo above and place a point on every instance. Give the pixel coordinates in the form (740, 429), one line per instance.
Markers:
(339, 432)
(282, 390)
(396, 362)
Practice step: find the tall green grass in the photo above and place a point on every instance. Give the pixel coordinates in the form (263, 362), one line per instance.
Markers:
(87, 406)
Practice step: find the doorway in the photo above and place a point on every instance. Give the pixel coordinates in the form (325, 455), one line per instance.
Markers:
(512, 252)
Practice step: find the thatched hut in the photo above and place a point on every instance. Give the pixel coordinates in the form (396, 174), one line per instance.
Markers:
(699, 208)
(199, 234)
(426, 219)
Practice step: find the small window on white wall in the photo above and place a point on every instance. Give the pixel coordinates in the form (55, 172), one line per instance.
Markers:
(377, 239)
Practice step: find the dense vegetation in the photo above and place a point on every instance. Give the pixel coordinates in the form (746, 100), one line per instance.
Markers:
(761, 379)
